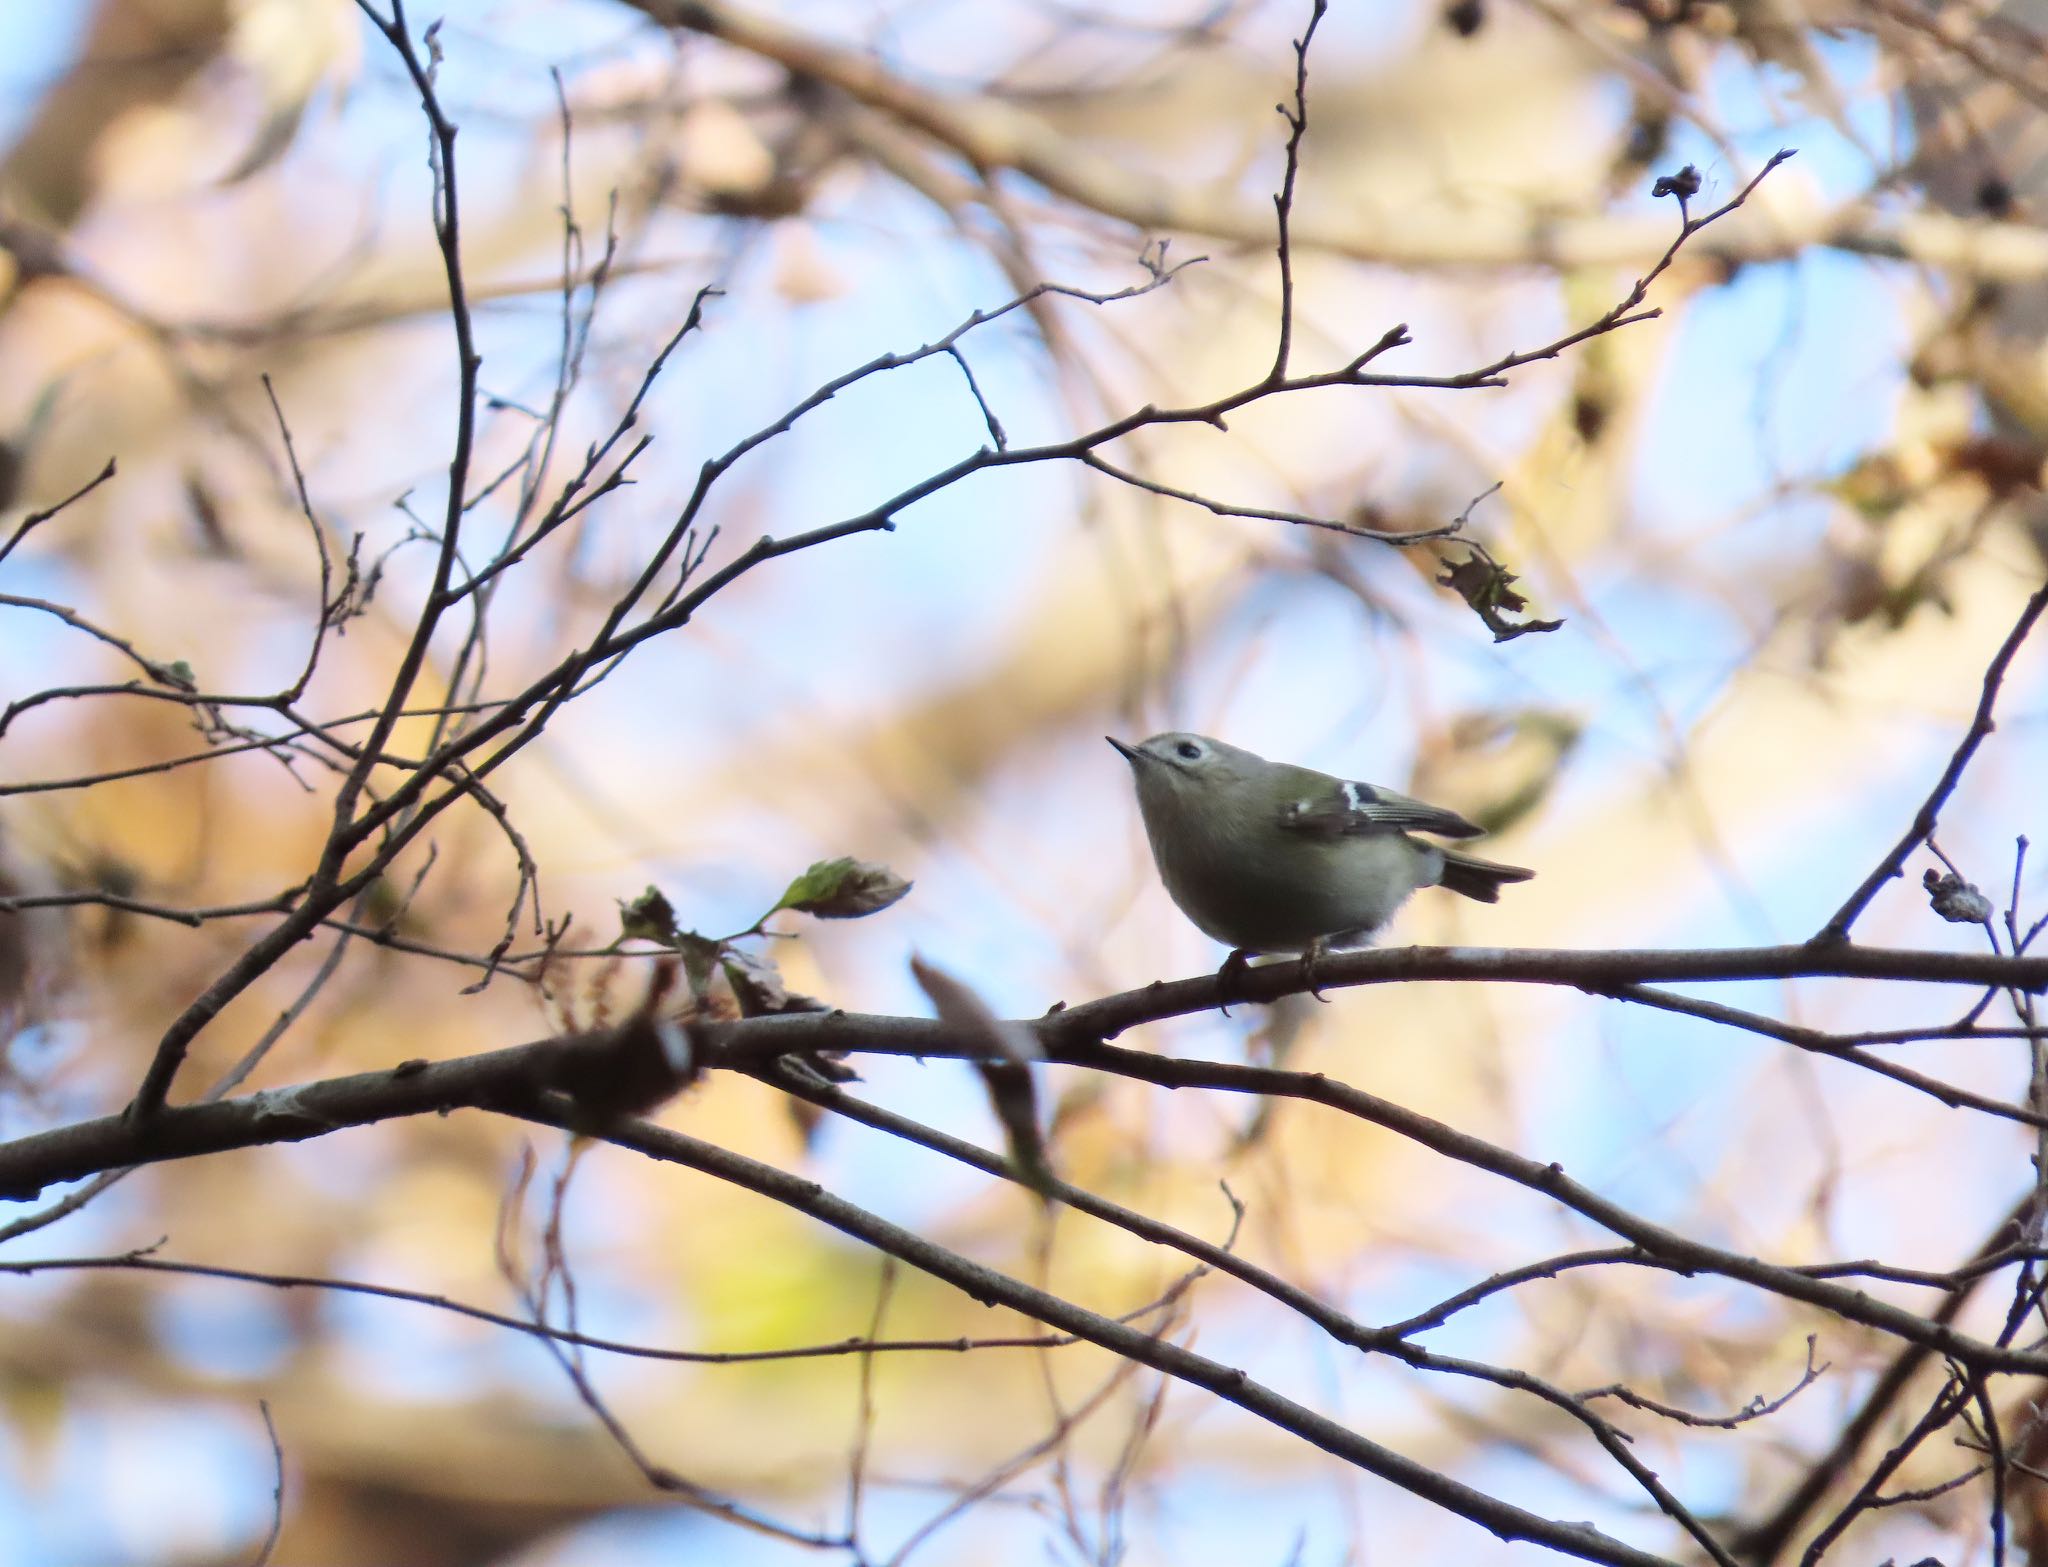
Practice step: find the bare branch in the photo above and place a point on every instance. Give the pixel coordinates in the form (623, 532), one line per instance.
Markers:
(1283, 201)
(1756, 1409)
(986, 1284)
(36, 519)
(1925, 819)
(269, 1545)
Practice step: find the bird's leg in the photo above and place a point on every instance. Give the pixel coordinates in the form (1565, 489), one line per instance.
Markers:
(1230, 976)
(1311, 957)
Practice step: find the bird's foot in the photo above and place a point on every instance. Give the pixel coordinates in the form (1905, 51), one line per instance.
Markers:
(1230, 978)
(1311, 959)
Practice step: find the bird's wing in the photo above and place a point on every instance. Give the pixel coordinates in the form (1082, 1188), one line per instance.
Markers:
(1339, 809)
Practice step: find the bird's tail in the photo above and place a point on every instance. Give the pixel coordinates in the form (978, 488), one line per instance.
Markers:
(1477, 878)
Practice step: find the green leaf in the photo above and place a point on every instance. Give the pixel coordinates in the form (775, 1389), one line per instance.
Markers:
(649, 917)
(843, 889)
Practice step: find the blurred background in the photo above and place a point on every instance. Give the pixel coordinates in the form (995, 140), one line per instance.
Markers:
(1785, 525)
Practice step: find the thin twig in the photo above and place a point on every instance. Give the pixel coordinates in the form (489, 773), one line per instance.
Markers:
(1926, 818)
(1756, 1409)
(1342, 1328)
(264, 1552)
(983, 1283)
(1764, 1540)
(1283, 200)
(330, 607)
(36, 519)
(1947, 1404)
(143, 1261)
(864, 1404)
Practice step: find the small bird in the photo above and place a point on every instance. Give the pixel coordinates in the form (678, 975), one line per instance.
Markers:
(1266, 857)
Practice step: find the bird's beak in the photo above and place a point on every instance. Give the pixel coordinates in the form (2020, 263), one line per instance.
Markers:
(1129, 753)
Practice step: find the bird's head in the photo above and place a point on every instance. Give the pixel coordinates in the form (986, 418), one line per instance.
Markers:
(1175, 768)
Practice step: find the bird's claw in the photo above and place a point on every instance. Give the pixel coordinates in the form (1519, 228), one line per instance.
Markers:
(1311, 959)
(1230, 977)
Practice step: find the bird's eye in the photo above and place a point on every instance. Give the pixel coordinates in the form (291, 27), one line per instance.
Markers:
(1189, 751)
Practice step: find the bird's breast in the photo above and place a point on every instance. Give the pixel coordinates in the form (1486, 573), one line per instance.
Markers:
(1290, 889)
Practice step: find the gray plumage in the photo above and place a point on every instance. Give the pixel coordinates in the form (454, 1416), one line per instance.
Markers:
(1268, 857)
